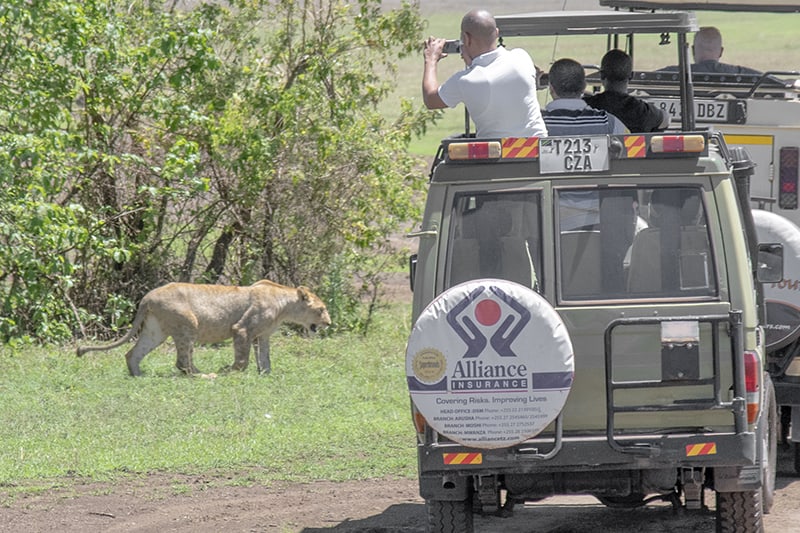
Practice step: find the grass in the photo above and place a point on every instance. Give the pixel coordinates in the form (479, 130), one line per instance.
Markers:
(765, 41)
(333, 408)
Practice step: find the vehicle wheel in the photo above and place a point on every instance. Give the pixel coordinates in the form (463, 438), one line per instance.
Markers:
(796, 447)
(786, 425)
(634, 499)
(770, 451)
(450, 516)
(739, 512)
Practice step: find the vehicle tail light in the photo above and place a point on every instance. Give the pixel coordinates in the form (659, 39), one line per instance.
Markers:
(419, 422)
(474, 150)
(787, 176)
(752, 374)
(661, 144)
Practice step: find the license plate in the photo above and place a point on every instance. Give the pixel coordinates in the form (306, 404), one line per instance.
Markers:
(573, 154)
(710, 111)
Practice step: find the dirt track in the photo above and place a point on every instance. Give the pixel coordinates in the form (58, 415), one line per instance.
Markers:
(162, 503)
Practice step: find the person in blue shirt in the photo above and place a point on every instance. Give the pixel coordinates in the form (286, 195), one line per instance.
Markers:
(568, 113)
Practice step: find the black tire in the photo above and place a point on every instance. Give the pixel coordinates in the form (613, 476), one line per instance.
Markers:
(450, 516)
(796, 447)
(739, 512)
(770, 466)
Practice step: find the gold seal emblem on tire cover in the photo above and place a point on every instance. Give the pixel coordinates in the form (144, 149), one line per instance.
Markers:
(429, 365)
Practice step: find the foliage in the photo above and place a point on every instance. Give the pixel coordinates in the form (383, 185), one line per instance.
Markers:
(332, 408)
(146, 142)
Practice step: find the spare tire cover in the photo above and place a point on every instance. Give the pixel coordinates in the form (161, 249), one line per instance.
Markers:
(782, 299)
(489, 363)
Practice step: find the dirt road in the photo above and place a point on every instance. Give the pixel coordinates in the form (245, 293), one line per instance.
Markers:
(172, 503)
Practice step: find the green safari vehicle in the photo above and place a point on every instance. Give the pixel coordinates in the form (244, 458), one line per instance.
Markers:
(587, 316)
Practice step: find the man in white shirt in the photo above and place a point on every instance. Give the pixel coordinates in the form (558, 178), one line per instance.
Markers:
(498, 87)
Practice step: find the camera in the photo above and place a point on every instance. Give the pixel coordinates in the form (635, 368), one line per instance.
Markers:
(452, 47)
(543, 81)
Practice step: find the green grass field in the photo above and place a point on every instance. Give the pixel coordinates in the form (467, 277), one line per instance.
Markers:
(333, 408)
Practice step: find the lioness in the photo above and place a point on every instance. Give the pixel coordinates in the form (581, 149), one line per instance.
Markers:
(191, 313)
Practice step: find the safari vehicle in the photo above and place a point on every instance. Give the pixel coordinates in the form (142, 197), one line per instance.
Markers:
(760, 113)
(587, 319)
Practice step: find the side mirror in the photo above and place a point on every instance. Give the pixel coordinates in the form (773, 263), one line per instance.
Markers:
(770, 262)
(412, 269)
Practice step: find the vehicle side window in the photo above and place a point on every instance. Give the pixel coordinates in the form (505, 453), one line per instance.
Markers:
(495, 235)
(634, 243)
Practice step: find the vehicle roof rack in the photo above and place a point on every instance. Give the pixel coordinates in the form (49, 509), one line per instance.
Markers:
(712, 84)
(774, 6)
(595, 23)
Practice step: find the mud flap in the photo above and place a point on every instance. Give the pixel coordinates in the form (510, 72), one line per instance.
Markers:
(737, 479)
(445, 488)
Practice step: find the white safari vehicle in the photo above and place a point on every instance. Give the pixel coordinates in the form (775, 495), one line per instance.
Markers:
(587, 317)
(760, 113)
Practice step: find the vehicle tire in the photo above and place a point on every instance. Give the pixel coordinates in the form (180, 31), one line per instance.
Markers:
(770, 444)
(450, 516)
(796, 447)
(739, 512)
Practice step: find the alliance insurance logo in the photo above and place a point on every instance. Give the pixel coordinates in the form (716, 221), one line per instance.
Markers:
(489, 363)
(488, 323)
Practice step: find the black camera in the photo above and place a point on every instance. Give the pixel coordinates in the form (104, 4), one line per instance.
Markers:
(452, 47)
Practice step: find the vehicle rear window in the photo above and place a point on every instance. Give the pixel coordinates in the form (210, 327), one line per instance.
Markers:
(633, 243)
(496, 235)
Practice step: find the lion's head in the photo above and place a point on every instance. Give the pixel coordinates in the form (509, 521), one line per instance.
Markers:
(314, 314)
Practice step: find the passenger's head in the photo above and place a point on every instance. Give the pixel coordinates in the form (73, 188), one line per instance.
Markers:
(616, 66)
(567, 79)
(707, 44)
(478, 33)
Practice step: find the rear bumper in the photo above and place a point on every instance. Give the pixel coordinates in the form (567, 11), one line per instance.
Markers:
(445, 469)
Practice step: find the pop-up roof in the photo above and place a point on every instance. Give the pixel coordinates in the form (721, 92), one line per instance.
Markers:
(613, 23)
(595, 23)
(775, 6)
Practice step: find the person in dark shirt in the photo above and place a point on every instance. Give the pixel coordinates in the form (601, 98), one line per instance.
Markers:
(568, 114)
(707, 50)
(638, 116)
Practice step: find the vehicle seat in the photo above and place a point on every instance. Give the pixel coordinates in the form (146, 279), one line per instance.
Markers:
(693, 261)
(581, 274)
(493, 252)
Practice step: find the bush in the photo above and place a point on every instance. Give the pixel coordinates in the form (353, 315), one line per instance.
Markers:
(144, 143)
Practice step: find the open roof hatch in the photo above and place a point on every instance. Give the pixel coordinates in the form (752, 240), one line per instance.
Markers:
(775, 6)
(613, 23)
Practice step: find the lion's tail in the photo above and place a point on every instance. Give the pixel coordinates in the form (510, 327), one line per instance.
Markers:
(136, 327)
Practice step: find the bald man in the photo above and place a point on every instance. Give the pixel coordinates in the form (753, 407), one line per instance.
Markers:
(498, 86)
(707, 50)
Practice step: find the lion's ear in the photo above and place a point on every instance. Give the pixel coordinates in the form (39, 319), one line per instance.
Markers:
(303, 293)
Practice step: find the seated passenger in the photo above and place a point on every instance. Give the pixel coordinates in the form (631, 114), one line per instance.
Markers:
(707, 49)
(639, 116)
(568, 113)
